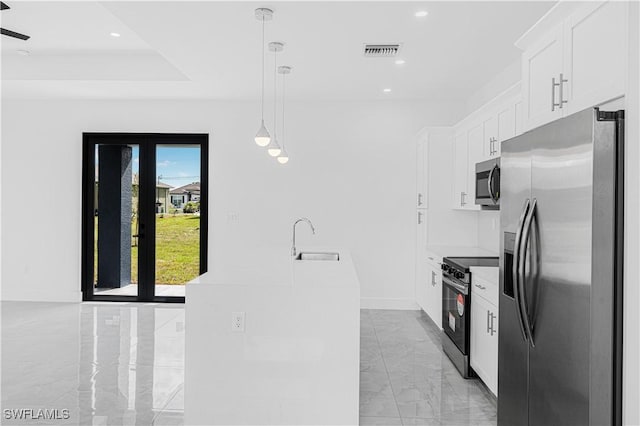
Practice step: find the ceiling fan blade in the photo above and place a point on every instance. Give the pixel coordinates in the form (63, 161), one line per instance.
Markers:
(4, 6)
(14, 34)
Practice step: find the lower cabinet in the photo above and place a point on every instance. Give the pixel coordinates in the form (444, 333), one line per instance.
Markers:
(484, 341)
(434, 290)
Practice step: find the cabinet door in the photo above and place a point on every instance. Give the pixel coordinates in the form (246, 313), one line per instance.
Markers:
(434, 279)
(475, 139)
(422, 296)
(542, 63)
(490, 138)
(595, 47)
(460, 173)
(484, 341)
(518, 118)
(421, 174)
(506, 126)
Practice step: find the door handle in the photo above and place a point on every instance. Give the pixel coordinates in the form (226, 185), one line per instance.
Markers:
(524, 245)
(514, 267)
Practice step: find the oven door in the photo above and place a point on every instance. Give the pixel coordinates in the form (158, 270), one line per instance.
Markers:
(456, 304)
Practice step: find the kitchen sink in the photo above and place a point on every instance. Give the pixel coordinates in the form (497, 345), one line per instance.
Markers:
(309, 255)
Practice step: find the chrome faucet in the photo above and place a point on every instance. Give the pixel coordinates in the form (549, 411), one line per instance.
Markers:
(294, 252)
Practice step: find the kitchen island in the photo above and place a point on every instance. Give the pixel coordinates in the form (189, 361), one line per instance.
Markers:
(273, 340)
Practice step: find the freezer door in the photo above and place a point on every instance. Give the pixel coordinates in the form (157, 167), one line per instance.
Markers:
(558, 273)
(515, 189)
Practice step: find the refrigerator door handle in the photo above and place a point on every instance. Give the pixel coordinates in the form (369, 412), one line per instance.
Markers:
(524, 245)
(514, 268)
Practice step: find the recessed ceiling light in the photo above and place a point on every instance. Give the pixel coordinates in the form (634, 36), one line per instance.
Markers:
(421, 14)
(23, 52)
(399, 61)
(115, 34)
(386, 90)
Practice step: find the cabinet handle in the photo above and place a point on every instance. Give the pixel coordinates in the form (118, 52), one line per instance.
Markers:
(462, 194)
(561, 84)
(553, 93)
(493, 330)
(488, 326)
(419, 218)
(419, 199)
(433, 279)
(481, 287)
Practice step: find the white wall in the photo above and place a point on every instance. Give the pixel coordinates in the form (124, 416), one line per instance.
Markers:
(489, 230)
(351, 172)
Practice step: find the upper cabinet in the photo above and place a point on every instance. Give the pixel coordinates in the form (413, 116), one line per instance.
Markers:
(478, 138)
(422, 152)
(573, 58)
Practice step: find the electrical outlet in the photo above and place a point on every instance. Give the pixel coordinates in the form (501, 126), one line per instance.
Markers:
(237, 322)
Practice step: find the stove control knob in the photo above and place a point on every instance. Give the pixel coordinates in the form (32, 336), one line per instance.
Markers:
(459, 275)
(444, 267)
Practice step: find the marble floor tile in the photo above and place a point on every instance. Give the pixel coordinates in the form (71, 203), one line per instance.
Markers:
(123, 363)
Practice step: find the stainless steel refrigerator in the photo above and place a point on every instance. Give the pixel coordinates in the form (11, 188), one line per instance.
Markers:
(560, 307)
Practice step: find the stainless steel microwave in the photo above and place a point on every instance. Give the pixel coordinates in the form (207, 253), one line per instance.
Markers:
(488, 184)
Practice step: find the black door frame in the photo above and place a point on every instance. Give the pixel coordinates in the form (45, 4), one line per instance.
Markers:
(148, 142)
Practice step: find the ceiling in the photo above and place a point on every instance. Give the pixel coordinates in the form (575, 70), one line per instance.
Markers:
(211, 50)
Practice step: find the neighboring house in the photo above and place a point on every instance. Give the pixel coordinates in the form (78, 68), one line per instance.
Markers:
(182, 195)
(162, 197)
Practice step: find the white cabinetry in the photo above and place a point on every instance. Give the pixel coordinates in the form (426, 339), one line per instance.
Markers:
(484, 331)
(574, 58)
(434, 289)
(422, 151)
(422, 186)
(478, 138)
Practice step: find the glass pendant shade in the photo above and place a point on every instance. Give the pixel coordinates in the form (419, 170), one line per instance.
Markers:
(263, 137)
(274, 148)
(283, 158)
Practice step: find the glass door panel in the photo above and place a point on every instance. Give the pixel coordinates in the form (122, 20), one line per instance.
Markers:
(177, 231)
(115, 224)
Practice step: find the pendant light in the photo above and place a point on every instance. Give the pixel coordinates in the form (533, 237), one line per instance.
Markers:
(262, 137)
(283, 158)
(274, 148)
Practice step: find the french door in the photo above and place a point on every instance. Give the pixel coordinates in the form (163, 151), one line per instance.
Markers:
(144, 215)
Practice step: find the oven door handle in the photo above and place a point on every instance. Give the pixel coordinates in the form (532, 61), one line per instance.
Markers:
(461, 288)
(514, 267)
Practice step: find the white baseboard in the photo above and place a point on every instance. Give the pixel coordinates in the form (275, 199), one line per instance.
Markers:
(385, 303)
(31, 296)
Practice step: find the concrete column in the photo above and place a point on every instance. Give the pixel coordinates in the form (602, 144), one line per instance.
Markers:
(114, 216)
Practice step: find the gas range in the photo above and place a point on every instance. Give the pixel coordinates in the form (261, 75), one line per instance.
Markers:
(459, 267)
(456, 308)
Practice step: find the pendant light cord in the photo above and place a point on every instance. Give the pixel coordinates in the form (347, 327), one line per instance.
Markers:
(275, 91)
(284, 77)
(263, 68)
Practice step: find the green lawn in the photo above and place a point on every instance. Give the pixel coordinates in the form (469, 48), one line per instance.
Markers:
(177, 249)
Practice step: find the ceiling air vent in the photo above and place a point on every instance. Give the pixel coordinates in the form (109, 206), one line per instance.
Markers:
(381, 50)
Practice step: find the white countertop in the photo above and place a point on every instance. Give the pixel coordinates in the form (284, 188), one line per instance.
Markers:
(275, 267)
(457, 251)
(487, 273)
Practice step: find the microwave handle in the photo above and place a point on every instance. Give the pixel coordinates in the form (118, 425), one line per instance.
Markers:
(489, 183)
